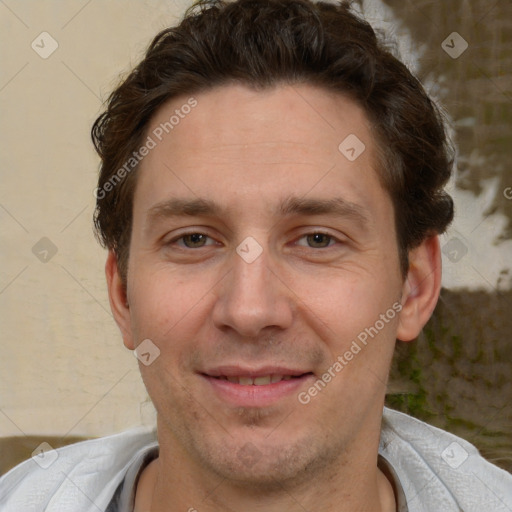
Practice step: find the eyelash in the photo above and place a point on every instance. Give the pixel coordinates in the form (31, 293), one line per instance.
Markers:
(313, 233)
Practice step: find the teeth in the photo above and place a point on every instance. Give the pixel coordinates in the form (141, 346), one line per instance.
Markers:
(256, 381)
(262, 381)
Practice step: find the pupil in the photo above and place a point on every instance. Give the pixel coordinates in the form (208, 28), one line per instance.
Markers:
(319, 239)
(196, 238)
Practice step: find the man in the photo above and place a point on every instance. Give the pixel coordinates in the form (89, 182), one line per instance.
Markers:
(271, 193)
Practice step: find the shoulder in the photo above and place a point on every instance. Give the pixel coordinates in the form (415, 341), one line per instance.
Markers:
(75, 477)
(440, 471)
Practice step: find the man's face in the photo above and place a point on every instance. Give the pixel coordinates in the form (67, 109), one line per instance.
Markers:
(260, 250)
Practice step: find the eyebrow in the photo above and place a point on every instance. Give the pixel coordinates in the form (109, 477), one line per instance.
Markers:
(183, 207)
(337, 206)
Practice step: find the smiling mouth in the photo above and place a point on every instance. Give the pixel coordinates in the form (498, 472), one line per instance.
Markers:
(263, 380)
(250, 387)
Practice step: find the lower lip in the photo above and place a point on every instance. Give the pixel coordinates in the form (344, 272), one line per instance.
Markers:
(256, 396)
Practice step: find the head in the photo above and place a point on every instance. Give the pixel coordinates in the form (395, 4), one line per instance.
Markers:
(263, 45)
(247, 237)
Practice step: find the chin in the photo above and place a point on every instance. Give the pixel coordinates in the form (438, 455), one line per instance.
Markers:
(270, 472)
(264, 466)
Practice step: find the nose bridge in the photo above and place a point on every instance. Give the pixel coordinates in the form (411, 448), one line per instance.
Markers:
(251, 277)
(251, 297)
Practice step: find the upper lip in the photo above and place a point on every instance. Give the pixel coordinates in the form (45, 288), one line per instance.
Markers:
(245, 371)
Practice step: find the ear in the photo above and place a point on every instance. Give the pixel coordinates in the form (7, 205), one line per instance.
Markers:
(118, 299)
(421, 288)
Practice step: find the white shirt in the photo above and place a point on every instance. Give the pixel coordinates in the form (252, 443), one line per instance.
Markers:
(433, 471)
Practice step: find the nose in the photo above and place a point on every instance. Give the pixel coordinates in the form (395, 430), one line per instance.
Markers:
(252, 297)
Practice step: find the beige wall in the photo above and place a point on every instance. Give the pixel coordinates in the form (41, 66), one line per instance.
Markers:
(63, 368)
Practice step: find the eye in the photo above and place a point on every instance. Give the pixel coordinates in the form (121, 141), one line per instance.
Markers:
(318, 240)
(193, 240)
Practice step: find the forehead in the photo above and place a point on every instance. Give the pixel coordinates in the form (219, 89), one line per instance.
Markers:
(235, 114)
(234, 140)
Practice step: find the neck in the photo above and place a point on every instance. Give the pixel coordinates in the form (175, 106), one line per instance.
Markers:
(171, 483)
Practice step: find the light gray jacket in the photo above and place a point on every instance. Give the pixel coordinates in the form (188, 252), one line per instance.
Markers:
(434, 471)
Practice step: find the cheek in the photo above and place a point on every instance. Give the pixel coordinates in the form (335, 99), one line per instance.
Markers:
(345, 304)
(347, 318)
(168, 306)
(358, 340)
(172, 307)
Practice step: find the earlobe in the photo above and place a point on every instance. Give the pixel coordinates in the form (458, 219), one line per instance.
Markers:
(118, 299)
(421, 288)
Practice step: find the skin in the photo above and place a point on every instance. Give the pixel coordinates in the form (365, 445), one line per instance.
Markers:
(299, 304)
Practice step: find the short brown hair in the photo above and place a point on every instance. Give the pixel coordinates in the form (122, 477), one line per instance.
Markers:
(261, 44)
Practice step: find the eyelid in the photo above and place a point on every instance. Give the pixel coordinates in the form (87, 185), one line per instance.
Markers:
(333, 238)
(180, 236)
